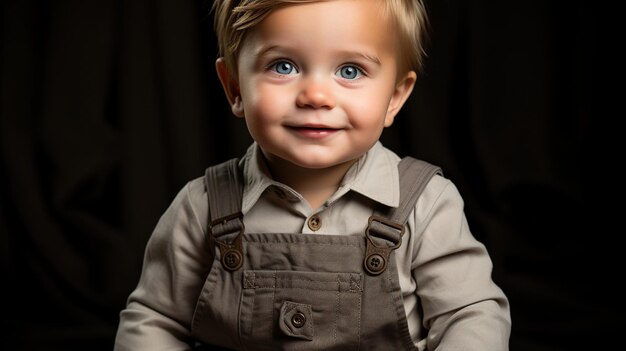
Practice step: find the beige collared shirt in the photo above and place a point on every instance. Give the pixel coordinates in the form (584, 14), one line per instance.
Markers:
(450, 300)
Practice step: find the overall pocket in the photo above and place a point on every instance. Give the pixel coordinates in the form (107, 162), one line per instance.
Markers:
(292, 310)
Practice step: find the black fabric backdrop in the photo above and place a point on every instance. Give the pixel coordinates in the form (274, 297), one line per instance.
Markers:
(109, 107)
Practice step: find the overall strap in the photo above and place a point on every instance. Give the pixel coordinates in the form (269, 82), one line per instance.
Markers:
(414, 176)
(386, 227)
(224, 187)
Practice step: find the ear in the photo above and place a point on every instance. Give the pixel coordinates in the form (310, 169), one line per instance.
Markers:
(401, 93)
(231, 87)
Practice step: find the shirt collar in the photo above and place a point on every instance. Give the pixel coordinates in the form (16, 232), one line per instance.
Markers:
(255, 175)
(374, 175)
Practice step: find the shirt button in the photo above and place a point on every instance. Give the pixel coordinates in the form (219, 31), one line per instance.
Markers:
(314, 223)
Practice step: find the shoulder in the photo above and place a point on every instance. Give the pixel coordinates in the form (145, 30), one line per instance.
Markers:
(440, 201)
(190, 204)
(195, 193)
(438, 189)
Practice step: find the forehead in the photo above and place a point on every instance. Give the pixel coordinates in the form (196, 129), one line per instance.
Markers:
(332, 25)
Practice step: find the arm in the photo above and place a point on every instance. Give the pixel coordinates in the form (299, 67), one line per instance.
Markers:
(463, 308)
(177, 260)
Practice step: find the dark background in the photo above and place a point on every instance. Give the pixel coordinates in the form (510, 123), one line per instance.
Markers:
(109, 107)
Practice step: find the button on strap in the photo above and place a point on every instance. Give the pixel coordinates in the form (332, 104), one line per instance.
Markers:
(224, 189)
(383, 236)
(231, 253)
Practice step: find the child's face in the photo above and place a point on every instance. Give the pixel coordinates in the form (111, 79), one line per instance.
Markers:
(318, 82)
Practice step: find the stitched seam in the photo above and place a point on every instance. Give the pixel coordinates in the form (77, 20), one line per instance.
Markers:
(358, 323)
(337, 310)
(273, 309)
(400, 315)
(275, 285)
(304, 289)
(305, 243)
(303, 280)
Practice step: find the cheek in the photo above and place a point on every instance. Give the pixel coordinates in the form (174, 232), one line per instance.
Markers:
(266, 102)
(369, 108)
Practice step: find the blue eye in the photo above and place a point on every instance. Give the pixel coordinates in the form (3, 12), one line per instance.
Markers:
(349, 72)
(283, 67)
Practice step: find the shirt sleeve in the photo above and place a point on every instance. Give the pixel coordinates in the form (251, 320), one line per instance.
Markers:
(177, 260)
(463, 308)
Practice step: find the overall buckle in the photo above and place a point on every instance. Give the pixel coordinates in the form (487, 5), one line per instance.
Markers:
(388, 237)
(231, 254)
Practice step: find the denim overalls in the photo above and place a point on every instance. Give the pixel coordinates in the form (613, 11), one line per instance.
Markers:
(286, 291)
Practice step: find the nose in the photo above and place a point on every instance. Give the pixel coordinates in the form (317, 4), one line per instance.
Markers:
(315, 93)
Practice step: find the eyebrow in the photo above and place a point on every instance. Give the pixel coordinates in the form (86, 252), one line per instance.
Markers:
(345, 53)
(265, 49)
(371, 58)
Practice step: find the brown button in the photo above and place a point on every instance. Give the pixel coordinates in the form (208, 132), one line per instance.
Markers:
(232, 260)
(298, 320)
(375, 264)
(314, 223)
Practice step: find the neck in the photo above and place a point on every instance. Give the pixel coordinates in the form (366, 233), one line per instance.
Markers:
(316, 185)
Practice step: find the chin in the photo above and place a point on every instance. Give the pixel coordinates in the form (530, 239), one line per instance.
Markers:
(318, 164)
(309, 159)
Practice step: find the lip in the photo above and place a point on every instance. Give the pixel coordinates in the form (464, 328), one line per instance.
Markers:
(313, 131)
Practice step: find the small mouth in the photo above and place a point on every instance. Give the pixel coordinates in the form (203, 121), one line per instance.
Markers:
(313, 129)
(313, 132)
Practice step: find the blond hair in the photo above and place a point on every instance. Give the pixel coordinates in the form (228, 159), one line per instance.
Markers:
(234, 18)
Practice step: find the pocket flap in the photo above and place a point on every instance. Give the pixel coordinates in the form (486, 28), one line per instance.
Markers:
(296, 320)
